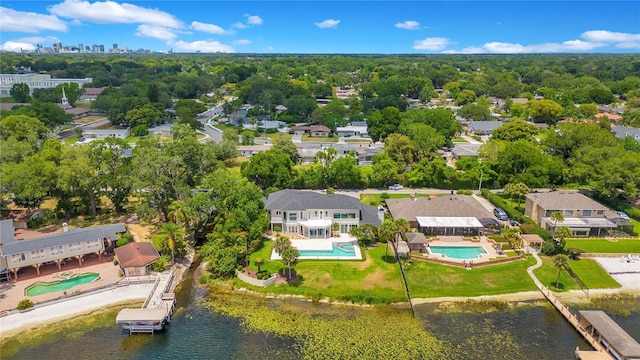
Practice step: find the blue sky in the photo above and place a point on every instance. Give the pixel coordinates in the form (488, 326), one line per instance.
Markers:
(385, 27)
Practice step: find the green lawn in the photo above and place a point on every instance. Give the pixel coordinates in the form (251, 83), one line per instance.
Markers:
(308, 138)
(622, 246)
(636, 226)
(458, 140)
(376, 199)
(434, 280)
(377, 277)
(592, 274)
(587, 270)
(373, 277)
(547, 274)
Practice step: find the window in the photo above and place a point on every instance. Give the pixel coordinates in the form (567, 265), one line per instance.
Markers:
(75, 247)
(37, 254)
(586, 212)
(93, 244)
(344, 215)
(600, 212)
(568, 213)
(56, 250)
(17, 258)
(293, 217)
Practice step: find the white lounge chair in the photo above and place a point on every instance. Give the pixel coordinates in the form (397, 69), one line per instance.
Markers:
(623, 259)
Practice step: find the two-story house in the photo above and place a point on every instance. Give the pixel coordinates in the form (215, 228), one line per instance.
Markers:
(312, 215)
(71, 244)
(583, 215)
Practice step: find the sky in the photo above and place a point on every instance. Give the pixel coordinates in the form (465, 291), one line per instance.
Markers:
(327, 27)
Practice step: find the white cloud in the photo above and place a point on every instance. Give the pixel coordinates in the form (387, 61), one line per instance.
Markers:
(329, 23)
(111, 12)
(242, 42)
(240, 25)
(609, 36)
(433, 43)
(201, 46)
(156, 32)
(253, 19)
(590, 40)
(29, 22)
(210, 28)
(408, 25)
(15, 46)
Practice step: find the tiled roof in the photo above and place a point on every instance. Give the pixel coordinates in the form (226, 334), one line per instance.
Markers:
(63, 238)
(136, 254)
(439, 206)
(561, 200)
(299, 200)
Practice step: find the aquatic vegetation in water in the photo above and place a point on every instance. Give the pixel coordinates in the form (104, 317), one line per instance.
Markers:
(622, 304)
(474, 306)
(333, 332)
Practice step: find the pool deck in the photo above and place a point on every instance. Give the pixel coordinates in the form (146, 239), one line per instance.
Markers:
(12, 292)
(460, 241)
(323, 244)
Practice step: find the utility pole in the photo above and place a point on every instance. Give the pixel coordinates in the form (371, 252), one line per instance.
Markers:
(480, 186)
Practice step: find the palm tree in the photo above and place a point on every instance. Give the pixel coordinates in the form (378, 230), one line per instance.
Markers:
(556, 216)
(560, 261)
(387, 231)
(171, 232)
(258, 262)
(280, 243)
(289, 257)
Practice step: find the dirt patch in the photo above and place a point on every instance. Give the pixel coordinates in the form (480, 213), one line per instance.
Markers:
(378, 279)
(364, 264)
(140, 232)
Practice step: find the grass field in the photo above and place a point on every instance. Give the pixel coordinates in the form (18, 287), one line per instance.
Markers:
(433, 280)
(587, 270)
(592, 274)
(319, 138)
(378, 277)
(622, 246)
(376, 199)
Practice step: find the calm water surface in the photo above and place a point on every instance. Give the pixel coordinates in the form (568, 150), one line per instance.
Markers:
(199, 333)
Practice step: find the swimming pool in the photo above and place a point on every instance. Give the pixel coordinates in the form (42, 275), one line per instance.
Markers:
(338, 250)
(458, 252)
(40, 287)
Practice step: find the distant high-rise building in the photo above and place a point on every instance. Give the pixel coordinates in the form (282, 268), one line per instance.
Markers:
(115, 46)
(81, 48)
(87, 49)
(58, 46)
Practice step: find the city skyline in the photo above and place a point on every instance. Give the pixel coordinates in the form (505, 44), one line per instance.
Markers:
(412, 27)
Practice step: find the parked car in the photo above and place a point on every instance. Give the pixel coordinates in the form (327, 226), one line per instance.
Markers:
(395, 187)
(500, 214)
(623, 215)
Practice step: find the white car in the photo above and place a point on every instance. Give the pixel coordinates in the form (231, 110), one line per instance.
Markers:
(395, 187)
(623, 215)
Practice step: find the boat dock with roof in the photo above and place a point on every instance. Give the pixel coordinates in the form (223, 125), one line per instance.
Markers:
(156, 311)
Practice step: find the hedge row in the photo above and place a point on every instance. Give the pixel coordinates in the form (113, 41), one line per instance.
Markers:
(515, 214)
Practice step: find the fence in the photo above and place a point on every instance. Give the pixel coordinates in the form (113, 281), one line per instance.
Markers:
(255, 282)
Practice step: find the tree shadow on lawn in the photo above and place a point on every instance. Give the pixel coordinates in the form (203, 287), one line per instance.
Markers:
(293, 279)
(389, 259)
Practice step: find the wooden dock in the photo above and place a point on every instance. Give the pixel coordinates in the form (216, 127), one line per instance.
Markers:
(156, 311)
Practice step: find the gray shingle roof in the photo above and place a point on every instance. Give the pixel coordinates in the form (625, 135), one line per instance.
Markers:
(484, 125)
(623, 131)
(299, 200)
(63, 238)
(624, 344)
(440, 206)
(6, 231)
(560, 200)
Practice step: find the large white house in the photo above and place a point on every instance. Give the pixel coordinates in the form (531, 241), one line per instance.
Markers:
(34, 81)
(312, 215)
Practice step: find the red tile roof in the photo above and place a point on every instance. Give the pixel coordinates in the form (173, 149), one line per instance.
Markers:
(136, 254)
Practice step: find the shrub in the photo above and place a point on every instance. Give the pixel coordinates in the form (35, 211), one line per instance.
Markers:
(161, 263)
(124, 239)
(528, 228)
(464, 192)
(25, 304)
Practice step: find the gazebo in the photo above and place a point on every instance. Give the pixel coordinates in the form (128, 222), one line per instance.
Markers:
(416, 241)
(531, 240)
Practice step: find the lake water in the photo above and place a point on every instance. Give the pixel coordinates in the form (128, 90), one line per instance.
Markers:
(196, 332)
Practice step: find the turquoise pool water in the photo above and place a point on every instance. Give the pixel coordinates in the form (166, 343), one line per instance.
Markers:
(339, 250)
(40, 288)
(459, 252)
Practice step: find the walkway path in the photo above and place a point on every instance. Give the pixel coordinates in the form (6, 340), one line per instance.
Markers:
(73, 306)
